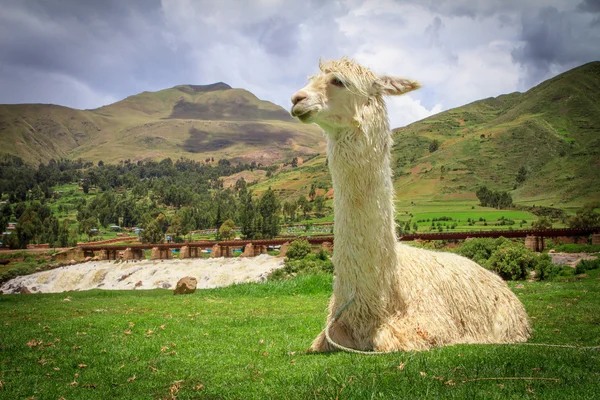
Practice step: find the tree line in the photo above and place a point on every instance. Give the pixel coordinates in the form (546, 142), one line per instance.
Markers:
(130, 194)
(495, 199)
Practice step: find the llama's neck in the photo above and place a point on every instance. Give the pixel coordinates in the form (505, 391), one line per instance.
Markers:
(364, 250)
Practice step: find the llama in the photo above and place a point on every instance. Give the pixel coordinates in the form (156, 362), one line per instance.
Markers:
(389, 296)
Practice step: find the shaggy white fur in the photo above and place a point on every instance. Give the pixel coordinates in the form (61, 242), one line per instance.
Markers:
(401, 298)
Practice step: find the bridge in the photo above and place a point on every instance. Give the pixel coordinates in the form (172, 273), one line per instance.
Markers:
(534, 239)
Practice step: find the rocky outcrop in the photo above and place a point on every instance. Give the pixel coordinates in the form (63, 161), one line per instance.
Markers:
(186, 285)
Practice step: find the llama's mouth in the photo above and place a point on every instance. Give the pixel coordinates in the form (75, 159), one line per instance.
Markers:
(302, 115)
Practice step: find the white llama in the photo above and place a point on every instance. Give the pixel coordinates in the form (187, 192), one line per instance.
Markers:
(388, 296)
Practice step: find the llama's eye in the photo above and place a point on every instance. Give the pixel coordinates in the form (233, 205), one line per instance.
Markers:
(337, 82)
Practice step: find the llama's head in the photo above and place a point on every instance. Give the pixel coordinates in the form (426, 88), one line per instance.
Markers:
(345, 94)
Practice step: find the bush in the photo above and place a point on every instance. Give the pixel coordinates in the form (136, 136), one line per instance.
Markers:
(480, 250)
(512, 261)
(587, 265)
(298, 249)
(545, 270)
(312, 264)
(577, 248)
(20, 270)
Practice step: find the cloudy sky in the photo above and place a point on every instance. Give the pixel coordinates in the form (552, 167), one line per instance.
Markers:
(87, 53)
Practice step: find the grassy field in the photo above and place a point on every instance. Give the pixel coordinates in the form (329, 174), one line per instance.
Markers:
(248, 342)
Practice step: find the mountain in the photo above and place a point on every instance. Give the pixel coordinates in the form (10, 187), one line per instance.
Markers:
(549, 135)
(193, 121)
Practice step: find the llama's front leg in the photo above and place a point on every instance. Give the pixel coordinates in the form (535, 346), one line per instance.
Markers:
(397, 335)
(337, 333)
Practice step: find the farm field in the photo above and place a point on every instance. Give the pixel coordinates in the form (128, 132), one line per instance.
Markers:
(248, 341)
(460, 212)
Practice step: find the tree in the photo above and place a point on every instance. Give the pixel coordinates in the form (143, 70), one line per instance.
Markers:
(247, 214)
(491, 198)
(307, 209)
(415, 226)
(289, 211)
(433, 145)
(269, 210)
(152, 233)
(542, 222)
(313, 192)
(226, 230)
(240, 184)
(298, 249)
(303, 203)
(586, 216)
(294, 162)
(162, 222)
(319, 204)
(87, 225)
(521, 175)
(64, 233)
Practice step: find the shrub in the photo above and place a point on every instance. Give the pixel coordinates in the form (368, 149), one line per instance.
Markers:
(480, 250)
(577, 248)
(587, 265)
(311, 264)
(298, 249)
(545, 270)
(512, 261)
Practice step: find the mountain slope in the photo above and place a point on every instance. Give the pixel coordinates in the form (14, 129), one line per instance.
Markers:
(552, 131)
(189, 120)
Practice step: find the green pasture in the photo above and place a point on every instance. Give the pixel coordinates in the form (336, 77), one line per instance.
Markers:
(248, 342)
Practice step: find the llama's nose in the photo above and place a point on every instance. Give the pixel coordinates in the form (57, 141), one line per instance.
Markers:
(298, 97)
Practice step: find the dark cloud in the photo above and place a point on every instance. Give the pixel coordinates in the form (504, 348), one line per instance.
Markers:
(554, 41)
(111, 46)
(591, 6)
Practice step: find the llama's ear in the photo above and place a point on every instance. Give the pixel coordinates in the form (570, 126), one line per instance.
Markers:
(394, 86)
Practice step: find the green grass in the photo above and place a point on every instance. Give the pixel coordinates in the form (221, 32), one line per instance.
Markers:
(248, 342)
(577, 248)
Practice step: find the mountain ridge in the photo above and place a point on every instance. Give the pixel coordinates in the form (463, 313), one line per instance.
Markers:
(235, 124)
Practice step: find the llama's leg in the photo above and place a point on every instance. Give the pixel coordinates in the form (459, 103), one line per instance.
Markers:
(398, 334)
(337, 333)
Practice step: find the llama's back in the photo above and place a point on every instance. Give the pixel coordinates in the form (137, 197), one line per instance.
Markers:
(451, 299)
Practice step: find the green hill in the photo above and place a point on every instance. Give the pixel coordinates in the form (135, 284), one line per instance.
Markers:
(552, 131)
(193, 121)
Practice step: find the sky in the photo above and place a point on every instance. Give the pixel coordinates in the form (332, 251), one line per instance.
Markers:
(89, 53)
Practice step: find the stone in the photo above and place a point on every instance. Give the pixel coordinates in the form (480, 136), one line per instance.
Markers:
(184, 252)
(88, 259)
(520, 286)
(216, 251)
(248, 251)
(22, 290)
(283, 249)
(186, 285)
(138, 284)
(73, 262)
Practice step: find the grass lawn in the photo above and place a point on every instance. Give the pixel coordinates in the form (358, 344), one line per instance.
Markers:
(248, 342)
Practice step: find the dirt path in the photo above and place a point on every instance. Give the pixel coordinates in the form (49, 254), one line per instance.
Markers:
(570, 259)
